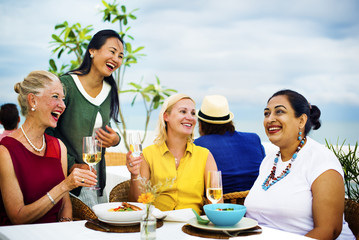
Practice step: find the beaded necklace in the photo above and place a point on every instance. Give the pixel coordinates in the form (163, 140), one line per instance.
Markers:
(271, 179)
(32, 145)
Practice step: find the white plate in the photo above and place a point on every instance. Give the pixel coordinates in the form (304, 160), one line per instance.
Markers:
(101, 211)
(114, 223)
(245, 223)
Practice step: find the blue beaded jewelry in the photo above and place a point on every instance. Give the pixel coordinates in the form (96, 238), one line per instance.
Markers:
(300, 136)
(271, 179)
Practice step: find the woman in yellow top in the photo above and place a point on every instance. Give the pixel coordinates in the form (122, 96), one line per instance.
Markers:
(174, 156)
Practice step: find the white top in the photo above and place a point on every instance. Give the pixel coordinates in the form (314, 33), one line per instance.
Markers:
(287, 205)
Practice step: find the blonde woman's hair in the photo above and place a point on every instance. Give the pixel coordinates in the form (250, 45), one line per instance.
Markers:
(34, 83)
(161, 129)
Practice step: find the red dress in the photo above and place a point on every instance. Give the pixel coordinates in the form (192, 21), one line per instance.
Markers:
(36, 174)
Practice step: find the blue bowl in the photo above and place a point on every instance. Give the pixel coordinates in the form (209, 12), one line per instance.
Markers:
(224, 218)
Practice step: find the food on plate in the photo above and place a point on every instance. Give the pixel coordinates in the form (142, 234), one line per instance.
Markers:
(225, 209)
(125, 207)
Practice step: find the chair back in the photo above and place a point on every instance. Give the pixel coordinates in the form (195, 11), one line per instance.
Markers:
(235, 197)
(120, 192)
(80, 211)
(351, 216)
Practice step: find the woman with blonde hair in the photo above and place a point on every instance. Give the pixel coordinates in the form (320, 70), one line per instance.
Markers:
(33, 185)
(174, 156)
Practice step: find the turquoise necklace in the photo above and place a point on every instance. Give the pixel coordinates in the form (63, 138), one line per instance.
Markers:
(272, 179)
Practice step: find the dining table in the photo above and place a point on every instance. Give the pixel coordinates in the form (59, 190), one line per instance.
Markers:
(78, 231)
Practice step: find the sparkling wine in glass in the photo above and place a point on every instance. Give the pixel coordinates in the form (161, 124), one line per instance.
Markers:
(214, 186)
(134, 140)
(91, 153)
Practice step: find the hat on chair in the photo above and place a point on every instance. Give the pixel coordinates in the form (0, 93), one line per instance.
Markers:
(215, 110)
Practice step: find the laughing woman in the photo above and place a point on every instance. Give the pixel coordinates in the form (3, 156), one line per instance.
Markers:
(174, 156)
(33, 164)
(300, 189)
(92, 100)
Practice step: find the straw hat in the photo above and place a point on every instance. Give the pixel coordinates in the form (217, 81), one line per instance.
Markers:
(215, 110)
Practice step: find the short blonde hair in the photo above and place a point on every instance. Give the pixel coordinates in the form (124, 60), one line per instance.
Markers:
(161, 129)
(33, 83)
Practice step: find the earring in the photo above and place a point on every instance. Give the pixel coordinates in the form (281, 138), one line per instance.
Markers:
(91, 56)
(33, 108)
(300, 135)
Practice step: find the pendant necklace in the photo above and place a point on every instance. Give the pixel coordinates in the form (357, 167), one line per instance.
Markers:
(271, 179)
(31, 144)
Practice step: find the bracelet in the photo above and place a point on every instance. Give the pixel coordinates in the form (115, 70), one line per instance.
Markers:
(51, 199)
(65, 219)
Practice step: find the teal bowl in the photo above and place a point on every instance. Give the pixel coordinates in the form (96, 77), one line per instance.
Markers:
(224, 217)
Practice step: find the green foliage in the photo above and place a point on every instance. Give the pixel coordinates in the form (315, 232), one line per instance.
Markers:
(350, 163)
(74, 39)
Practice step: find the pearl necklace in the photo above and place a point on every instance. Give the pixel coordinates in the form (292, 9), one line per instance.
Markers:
(271, 179)
(32, 145)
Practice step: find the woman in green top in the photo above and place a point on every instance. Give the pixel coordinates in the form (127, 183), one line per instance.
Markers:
(91, 101)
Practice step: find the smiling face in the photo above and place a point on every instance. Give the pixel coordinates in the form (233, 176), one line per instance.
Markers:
(280, 123)
(108, 58)
(181, 119)
(49, 103)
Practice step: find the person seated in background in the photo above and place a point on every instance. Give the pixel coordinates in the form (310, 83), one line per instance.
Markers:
(300, 189)
(173, 156)
(9, 118)
(33, 185)
(237, 154)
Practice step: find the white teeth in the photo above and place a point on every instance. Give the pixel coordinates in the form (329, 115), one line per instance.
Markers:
(56, 113)
(111, 65)
(187, 124)
(273, 128)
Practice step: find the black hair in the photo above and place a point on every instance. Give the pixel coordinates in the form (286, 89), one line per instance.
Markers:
(210, 128)
(97, 41)
(9, 116)
(301, 106)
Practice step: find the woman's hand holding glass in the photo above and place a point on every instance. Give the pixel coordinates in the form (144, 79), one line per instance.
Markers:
(91, 153)
(80, 178)
(214, 188)
(134, 157)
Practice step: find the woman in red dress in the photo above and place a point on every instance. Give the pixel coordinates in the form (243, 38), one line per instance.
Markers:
(33, 164)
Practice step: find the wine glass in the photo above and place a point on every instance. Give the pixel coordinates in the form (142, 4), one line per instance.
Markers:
(91, 153)
(214, 186)
(134, 140)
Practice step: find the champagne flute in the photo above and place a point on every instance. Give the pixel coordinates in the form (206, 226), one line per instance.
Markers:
(91, 153)
(214, 186)
(134, 140)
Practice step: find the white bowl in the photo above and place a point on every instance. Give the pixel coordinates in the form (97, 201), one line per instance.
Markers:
(103, 213)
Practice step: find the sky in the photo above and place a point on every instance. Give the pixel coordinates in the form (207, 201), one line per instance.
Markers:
(245, 50)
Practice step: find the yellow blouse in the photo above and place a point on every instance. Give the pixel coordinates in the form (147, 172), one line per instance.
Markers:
(189, 186)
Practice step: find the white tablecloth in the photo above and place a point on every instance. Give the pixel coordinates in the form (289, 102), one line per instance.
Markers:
(114, 176)
(78, 231)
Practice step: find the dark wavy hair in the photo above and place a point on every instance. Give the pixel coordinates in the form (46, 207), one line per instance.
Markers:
(97, 41)
(209, 128)
(9, 116)
(301, 106)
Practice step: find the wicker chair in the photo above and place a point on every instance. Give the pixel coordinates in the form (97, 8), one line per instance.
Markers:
(351, 215)
(80, 211)
(235, 197)
(120, 192)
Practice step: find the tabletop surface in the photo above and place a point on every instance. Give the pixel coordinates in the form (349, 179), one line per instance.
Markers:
(77, 230)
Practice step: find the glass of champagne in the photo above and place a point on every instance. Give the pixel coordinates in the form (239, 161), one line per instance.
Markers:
(91, 153)
(214, 186)
(134, 139)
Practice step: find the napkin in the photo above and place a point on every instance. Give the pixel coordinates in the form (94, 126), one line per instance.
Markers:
(181, 215)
